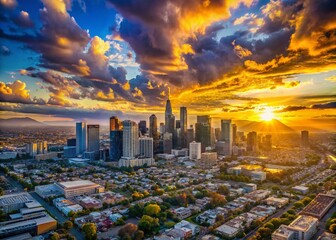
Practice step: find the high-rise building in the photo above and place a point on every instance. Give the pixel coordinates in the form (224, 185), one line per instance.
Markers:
(93, 138)
(162, 128)
(31, 149)
(81, 138)
(130, 139)
(116, 139)
(115, 124)
(143, 127)
(252, 142)
(178, 124)
(195, 150)
(217, 134)
(116, 145)
(234, 134)
(146, 147)
(168, 113)
(184, 126)
(226, 132)
(170, 124)
(71, 142)
(167, 142)
(203, 131)
(153, 128)
(304, 139)
(267, 142)
(190, 135)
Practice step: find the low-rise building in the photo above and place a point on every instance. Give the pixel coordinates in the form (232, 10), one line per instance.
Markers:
(16, 201)
(277, 202)
(182, 212)
(79, 188)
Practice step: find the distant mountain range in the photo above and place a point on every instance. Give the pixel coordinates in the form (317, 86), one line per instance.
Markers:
(21, 122)
(265, 126)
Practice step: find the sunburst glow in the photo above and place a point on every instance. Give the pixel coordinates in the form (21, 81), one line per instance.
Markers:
(267, 115)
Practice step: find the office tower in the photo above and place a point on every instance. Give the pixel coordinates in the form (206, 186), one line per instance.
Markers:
(168, 113)
(153, 128)
(143, 127)
(116, 145)
(42, 147)
(223, 148)
(116, 139)
(204, 119)
(234, 134)
(252, 142)
(304, 139)
(217, 134)
(267, 142)
(115, 124)
(130, 139)
(240, 137)
(81, 139)
(178, 124)
(170, 124)
(184, 126)
(93, 138)
(226, 132)
(31, 149)
(190, 135)
(195, 150)
(203, 131)
(167, 142)
(71, 142)
(162, 128)
(146, 147)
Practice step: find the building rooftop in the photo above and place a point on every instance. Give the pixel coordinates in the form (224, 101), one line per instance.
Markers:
(76, 184)
(303, 223)
(319, 206)
(15, 198)
(283, 231)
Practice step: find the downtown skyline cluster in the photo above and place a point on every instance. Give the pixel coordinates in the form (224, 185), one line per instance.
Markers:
(232, 59)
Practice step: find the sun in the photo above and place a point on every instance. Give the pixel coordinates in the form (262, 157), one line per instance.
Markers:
(267, 115)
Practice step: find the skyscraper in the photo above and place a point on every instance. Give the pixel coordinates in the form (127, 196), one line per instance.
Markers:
(143, 127)
(81, 139)
(167, 142)
(153, 128)
(146, 147)
(168, 113)
(114, 123)
(234, 134)
(252, 142)
(203, 131)
(130, 139)
(93, 138)
(190, 135)
(226, 132)
(116, 139)
(304, 139)
(184, 126)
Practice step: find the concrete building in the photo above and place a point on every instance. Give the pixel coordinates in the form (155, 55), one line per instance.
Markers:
(195, 150)
(93, 138)
(16, 201)
(184, 126)
(116, 139)
(78, 188)
(153, 127)
(203, 131)
(146, 147)
(130, 139)
(304, 139)
(252, 142)
(34, 224)
(226, 133)
(81, 139)
(167, 142)
(135, 162)
(208, 160)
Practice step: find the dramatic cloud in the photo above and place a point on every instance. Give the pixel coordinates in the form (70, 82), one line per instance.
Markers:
(23, 20)
(8, 3)
(16, 92)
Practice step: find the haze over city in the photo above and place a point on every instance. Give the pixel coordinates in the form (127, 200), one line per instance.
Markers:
(168, 119)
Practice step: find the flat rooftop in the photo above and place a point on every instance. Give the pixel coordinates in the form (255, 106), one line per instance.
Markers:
(303, 223)
(77, 184)
(283, 231)
(319, 206)
(15, 199)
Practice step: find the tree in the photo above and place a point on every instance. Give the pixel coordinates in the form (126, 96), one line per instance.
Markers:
(139, 235)
(147, 223)
(128, 230)
(68, 225)
(264, 232)
(55, 236)
(217, 199)
(222, 189)
(120, 222)
(299, 205)
(90, 231)
(332, 228)
(152, 210)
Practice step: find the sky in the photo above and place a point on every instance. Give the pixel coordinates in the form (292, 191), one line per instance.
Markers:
(71, 60)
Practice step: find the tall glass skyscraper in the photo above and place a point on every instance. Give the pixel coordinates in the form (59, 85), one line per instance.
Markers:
(130, 139)
(81, 139)
(184, 126)
(116, 139)
(93, 138)
(153, 128)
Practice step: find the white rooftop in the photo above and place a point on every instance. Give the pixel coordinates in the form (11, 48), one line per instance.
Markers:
(76, 184)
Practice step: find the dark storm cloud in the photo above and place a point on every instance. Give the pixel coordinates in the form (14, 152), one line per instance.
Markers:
(324, 105)
(292, 108)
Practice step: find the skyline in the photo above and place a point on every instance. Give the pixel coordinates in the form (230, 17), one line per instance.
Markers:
(245, 60)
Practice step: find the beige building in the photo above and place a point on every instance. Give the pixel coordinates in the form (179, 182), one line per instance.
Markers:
(79, 188)
(208, 159)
